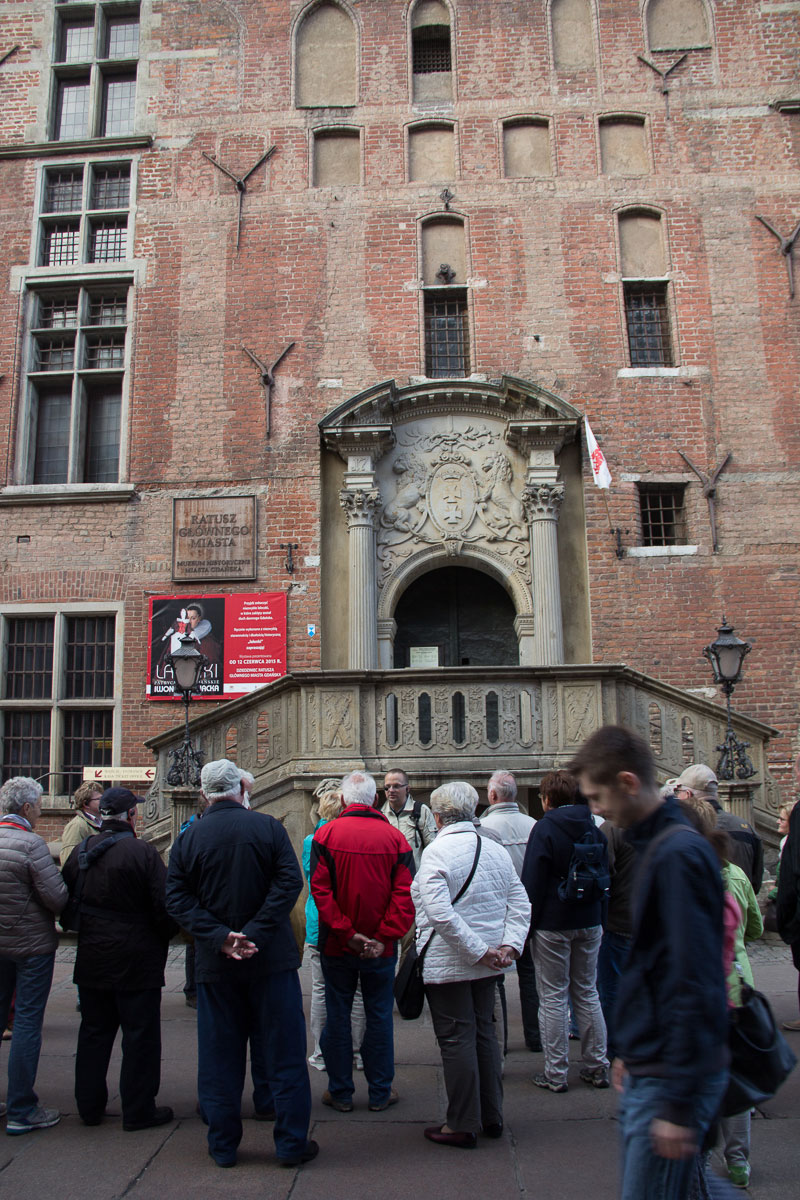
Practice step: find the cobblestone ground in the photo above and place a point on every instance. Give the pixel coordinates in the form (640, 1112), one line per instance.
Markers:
(556, 1147)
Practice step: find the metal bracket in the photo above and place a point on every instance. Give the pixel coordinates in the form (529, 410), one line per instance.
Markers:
(268, 379)
(787, 245)
(289, 547)
(663, 75)
(709, 483)
(241, 183)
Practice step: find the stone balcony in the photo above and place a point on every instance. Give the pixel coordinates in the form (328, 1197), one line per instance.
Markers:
(459, 722)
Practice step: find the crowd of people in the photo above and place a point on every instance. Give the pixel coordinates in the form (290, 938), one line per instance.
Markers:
(624, 911)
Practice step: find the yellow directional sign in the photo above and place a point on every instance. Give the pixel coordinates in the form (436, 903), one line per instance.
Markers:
(117, 774)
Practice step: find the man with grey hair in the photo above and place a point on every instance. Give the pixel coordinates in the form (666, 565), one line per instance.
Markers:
(747, 850)
(360, 880)
(514, 827)
(233, 881)
(413, 818)
(31, 893)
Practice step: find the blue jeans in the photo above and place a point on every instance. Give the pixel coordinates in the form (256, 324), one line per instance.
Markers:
(614, 951)
(32, 978)
(342, 975)
(645, 1174)
(268, 1009)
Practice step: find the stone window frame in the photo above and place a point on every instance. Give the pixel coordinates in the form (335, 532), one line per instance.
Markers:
(454, 216)
(58, 704)
(84, 212)
(422, 123)
(297, 23)
(528, 119)
(676, 490)
(326, 130)
(709, 45)
(453, 57)
(95, 70)
(668, 278)
(638, 117)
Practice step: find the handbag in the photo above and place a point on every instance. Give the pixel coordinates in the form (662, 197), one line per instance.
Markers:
(760, 1056)
(409, 987)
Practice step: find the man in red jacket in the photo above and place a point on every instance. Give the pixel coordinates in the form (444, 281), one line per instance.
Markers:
(361, 871)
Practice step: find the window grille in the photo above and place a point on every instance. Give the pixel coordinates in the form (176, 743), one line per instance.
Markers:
(63, 191)
(431, 49)
(111, 186)
(661, 508)
(446, 335)
(647, 318)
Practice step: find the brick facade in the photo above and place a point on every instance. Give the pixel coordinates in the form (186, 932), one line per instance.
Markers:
(336, 269)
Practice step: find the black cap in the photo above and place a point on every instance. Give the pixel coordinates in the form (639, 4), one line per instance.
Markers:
(118, 800)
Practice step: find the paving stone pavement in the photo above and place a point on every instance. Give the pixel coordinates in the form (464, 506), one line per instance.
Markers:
(557, 1147)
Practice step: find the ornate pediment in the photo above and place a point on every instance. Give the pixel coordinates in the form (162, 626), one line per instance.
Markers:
(533, 417)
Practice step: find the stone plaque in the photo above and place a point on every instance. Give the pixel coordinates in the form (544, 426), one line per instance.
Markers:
(214, 538)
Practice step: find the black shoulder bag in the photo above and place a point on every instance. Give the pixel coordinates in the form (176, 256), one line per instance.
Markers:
(409, 988)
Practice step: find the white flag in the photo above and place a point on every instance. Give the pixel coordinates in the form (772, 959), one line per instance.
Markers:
(600, 471)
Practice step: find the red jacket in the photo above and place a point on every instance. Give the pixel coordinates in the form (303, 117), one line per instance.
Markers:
(361, 871)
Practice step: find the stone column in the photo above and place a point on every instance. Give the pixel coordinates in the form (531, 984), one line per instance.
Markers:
(361, 510)
(542, 504)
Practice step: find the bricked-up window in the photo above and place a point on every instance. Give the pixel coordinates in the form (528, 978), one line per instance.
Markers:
(336, 158)
(94, 69)
(662, 514)
(677, 24)
(573, 37)
(84, 214)
(431, 51)
(76, 371)
(326, 58)
(446, 334)
(57, 708)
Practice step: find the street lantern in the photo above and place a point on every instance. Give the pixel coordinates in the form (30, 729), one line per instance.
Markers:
(187, 664)
(726, 656)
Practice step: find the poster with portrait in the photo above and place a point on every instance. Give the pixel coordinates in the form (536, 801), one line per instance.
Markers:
(242, 636)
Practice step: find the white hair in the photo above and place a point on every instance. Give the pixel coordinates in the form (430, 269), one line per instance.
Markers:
(221, 780)
(16, 793)
(504, 783)
(359, 788)
(454, 802)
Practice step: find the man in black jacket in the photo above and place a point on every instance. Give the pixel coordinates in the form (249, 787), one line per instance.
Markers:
(671, 1012)
(119, 969)
(232, 883)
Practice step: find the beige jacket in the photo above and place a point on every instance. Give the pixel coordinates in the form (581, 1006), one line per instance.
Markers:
(74, 832)
(31, 893)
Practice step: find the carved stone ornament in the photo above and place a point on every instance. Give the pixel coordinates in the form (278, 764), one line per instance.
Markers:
(360, 507)
(542, 501)
(452, 487)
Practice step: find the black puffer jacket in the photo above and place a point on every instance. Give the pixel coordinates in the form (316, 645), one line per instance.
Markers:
(123, 945)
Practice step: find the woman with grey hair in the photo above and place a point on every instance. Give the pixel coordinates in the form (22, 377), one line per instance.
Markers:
(472, 921)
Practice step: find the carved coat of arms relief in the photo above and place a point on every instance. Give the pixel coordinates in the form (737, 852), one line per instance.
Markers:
(452, 488)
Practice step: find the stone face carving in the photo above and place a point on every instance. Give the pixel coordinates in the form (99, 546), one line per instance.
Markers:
(542, 500)
(452, 487)
(360, 507)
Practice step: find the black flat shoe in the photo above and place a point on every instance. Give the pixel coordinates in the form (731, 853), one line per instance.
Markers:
(297, 1160)
(462, 1141)
(161, 1116)
(493, 1131)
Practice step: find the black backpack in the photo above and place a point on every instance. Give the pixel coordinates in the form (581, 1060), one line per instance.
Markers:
(587, 879)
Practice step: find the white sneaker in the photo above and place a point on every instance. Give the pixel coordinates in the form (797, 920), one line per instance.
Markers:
(37, 1118)
(358, 1063)
(316, 1060)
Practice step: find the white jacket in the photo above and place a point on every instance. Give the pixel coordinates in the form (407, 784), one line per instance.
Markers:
(494, 910)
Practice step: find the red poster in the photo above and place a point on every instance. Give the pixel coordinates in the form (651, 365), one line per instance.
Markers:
(243, 637)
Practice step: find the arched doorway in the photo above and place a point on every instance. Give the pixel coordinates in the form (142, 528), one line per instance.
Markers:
(454, 617)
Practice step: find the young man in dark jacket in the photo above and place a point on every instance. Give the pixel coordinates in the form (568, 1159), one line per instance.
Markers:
(672, 1025)
(119, 968)
(361, 871)
(566, 934)
(233, 881)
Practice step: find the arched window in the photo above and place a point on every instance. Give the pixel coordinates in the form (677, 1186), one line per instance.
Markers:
(526, 149)
(326, 59)
(645, 289)
(431, 154)
(623, 147)
(446, 311)
(573, 37)
(677, 25)
(431, 51)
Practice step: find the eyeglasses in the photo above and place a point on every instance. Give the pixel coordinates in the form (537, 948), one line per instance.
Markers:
(392, 787)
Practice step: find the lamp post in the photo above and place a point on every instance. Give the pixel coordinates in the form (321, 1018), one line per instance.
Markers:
(187, 665)
(726, 655)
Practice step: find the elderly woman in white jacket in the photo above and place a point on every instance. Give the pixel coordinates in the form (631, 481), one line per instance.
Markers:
(468, 940)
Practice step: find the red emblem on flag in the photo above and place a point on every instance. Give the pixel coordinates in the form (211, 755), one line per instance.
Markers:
(597, 459)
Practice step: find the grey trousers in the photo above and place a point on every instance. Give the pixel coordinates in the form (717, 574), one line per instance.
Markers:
(566, 969)
(471, 1059)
